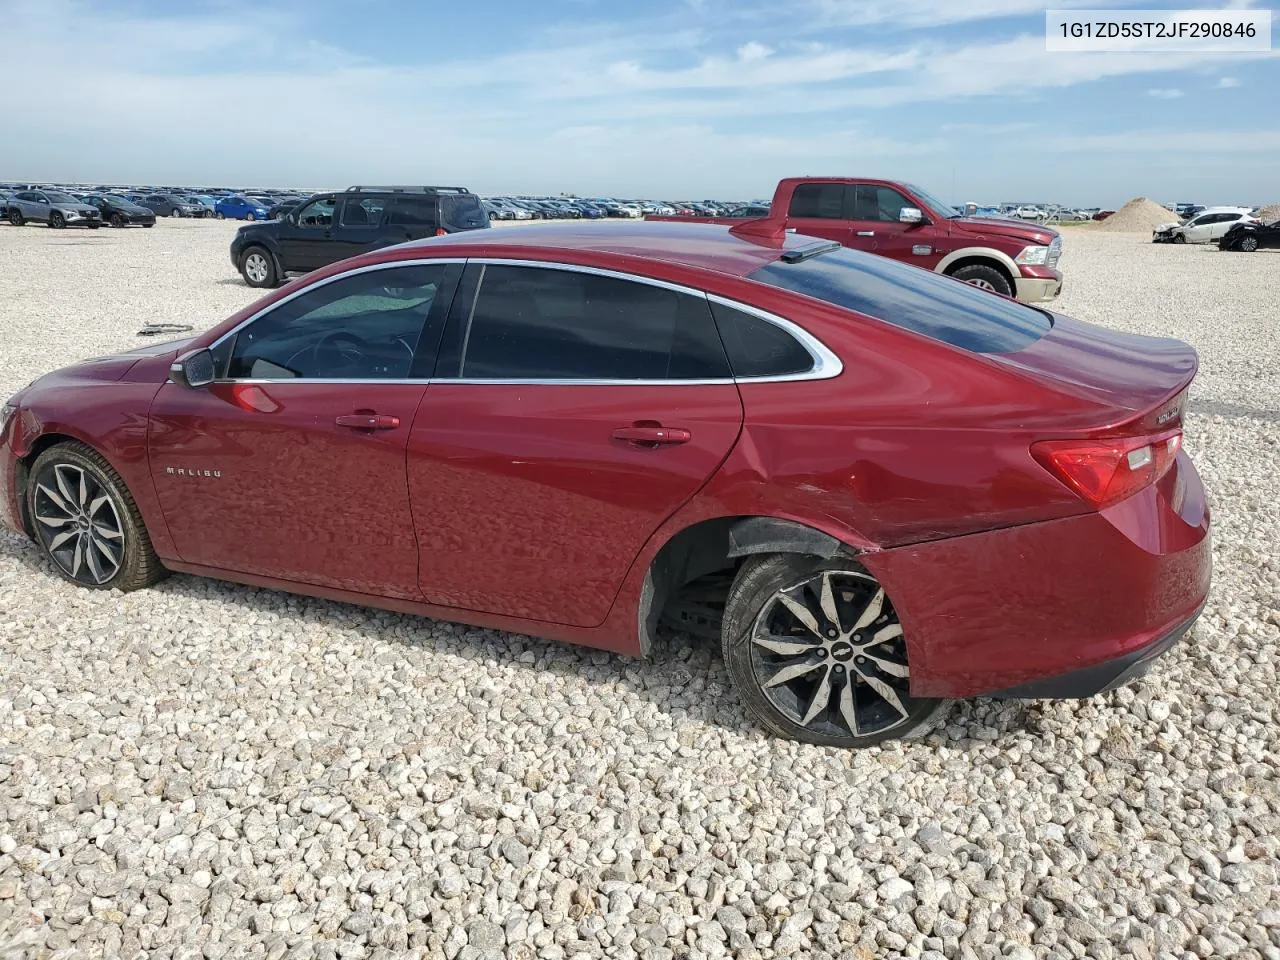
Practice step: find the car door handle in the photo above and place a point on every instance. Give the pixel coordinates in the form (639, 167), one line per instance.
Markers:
(866, 233)
(656, 436)
(367, 421)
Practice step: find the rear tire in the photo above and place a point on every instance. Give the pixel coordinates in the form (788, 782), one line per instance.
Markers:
(802, 642)
(258, 268)
(86, 522)
(984, 277)
(16, 218)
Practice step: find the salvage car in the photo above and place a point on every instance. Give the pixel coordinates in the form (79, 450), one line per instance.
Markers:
(1250, 235)
(1202, 228)
(911, 490)
(53, 207)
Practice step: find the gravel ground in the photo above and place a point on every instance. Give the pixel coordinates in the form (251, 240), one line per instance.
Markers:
(203, 769)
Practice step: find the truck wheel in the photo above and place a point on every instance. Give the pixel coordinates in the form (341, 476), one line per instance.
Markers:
(987, 278)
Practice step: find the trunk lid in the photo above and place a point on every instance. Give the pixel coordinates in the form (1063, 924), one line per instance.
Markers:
(1138, 381)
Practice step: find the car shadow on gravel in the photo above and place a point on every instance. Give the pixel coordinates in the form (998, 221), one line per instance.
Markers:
(1216, 408)
(684, 676)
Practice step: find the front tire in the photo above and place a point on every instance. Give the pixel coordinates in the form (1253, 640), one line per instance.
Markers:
(250, 217)
(175, 213)
(57, 221)
(1247, 244)
(220, 215)
(86, 522)
(985, 277)
(117, 220)
(258, 268)
(815, 649)
(1179, 238)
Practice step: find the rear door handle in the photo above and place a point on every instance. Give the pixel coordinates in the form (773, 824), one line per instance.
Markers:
(655, 436)
(367, 421)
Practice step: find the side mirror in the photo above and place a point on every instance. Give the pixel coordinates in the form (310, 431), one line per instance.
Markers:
(910, 215)
(193, 370)
(44, 200)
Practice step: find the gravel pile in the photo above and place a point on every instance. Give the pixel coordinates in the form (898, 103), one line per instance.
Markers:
(208, 770)
(1269, 213)
(1139, 215)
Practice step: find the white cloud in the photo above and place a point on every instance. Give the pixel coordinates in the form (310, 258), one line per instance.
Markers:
(1228, 83)
(1165, 93)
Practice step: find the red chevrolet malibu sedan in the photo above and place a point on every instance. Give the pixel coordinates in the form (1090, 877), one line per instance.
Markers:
(916, 490)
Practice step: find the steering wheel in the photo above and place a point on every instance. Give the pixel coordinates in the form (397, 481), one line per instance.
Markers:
(339, 349)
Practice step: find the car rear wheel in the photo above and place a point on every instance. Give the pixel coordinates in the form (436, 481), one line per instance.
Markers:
(816, 650)
(220, 215)
(57, 221)
(258, 268)
(985, 277)
(1248, 244)
(87, 523)
(16, 218)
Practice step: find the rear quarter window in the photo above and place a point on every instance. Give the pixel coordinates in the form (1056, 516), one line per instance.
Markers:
(462, 212)
(914, 299)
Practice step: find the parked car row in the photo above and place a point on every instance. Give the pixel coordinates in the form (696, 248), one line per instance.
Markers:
(598, 208)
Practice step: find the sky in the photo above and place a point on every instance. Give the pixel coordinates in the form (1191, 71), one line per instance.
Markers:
(670, 99)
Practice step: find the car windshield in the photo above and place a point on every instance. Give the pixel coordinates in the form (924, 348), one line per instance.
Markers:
(917, 300)
(945, 209)
(55, 197)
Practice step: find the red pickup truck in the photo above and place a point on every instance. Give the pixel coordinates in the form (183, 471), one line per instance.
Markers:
(903, 222)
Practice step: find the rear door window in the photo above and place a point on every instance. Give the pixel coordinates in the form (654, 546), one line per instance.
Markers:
(536, 323)
(362, 212)
(914, 299)
(824, 201)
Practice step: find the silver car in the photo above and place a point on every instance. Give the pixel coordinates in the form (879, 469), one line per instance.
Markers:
(53, 207)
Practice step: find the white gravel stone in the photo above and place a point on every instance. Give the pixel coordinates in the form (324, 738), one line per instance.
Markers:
(208, 769)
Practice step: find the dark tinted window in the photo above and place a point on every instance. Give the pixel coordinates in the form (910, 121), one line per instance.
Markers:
(318, 213)
(362, 211)
(462, 212)
(412, 212)
(364, 327)
(532, 323)
(823, 200)
(873, 202)
(758, 348)
(906, 296)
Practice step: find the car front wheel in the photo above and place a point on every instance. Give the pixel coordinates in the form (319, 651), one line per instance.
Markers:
(1179, 238)
(175, 212)
(1248, 244)
(57, 221)
(87, 523)
(816, 650)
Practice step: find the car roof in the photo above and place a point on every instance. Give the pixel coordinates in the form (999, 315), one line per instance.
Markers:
(701, 246)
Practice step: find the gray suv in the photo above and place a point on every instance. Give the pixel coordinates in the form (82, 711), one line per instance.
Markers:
(53, 207)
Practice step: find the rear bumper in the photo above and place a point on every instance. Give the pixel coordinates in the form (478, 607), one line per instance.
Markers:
(1074, 605)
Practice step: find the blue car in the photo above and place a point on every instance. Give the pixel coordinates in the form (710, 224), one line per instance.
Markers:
(239, 208)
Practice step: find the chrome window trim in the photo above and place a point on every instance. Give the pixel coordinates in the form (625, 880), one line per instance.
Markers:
(826, 364)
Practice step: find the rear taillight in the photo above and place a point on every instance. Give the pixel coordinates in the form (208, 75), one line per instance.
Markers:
(441, 232)
(1108, 470)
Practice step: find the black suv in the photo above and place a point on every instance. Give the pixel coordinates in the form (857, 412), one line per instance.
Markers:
(333, 226)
